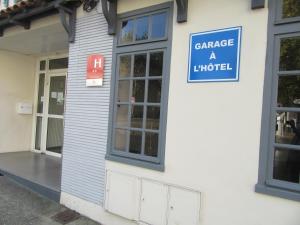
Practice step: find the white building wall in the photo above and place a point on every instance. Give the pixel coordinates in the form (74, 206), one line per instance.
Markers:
(213, 129)
(17, 76)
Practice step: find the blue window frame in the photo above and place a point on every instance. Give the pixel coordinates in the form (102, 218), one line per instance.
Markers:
(279, 168)
(140, 87)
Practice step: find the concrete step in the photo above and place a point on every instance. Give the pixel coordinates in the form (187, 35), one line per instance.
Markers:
(47, 192)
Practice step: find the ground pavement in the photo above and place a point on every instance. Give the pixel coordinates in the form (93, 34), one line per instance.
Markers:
(19, 206)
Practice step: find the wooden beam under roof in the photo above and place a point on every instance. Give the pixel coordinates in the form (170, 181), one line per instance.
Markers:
(22, 13)
(257, 4)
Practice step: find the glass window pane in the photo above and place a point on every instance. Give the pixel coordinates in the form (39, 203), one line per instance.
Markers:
(137, 113)
(290, 54)
(159, 22)
(42, 65)
(127, 31)
(142, 28)
(288, 128)
(288, 91)
(40, 100)
(123, 91)
(55, 134)
(153, 116)
(287, 165)
(140, 62)
(120, 139)
(151, 144)
(154, 91)
(156, 64)
(38, 132)
(122, 116)
(57, 95)
(55, 64)
(135, 145)
(138, 91)
(290, 8)
(125, 66)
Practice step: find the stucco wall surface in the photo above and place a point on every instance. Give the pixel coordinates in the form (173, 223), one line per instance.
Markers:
(16, 85)
(213, 129)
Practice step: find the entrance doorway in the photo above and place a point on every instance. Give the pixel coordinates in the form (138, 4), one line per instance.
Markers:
(50, 107)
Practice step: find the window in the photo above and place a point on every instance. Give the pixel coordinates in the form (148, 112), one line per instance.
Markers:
(5, 3)
(279, 172)
(287, 11)
(144, 28)
(61, 63)
(139, 96)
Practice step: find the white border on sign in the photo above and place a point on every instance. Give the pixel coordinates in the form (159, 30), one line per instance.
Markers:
(239, 28)
(94, 82)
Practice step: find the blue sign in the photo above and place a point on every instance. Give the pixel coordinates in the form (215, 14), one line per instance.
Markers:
(215, 55)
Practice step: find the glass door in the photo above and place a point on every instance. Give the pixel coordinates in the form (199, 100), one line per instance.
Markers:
(55, 113)
(49, 127)
(40, 112)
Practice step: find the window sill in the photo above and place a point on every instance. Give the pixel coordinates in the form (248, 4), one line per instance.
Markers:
(277, 192)
(135, 162)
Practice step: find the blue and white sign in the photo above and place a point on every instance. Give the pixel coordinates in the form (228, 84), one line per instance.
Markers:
(215, 55)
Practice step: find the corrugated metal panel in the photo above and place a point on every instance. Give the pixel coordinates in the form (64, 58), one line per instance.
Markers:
(87, 112)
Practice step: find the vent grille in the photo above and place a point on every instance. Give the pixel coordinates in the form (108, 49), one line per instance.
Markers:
(66, 216)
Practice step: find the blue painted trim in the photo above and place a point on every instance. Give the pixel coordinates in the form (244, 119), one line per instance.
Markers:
(276, 192)
(237, 79)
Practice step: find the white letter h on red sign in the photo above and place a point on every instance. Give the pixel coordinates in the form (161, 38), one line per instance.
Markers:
(98, 63)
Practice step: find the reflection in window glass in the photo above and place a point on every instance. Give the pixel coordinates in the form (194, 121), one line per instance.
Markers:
(156, 64)
(137, 113)
(120, 139)
(138, 87)
(42, 65)
(135, 145)
(142, 28)
(290, 8)
(40, 100)
(288, 91)
(138, 91)
(5, 3)
(123, 91)
(57, 95)
(127, 31)
(55, 64)
(159, 25)
(125, 66)
(151, 144)
(38, 132)
(287, 165)
(122, 116)
(288, 128)
(140, 65)
(55, 135)
(154, 91)
(290, 54)
(153, 115)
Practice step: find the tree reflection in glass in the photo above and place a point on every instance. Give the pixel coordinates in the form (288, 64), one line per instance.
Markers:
(290, 8)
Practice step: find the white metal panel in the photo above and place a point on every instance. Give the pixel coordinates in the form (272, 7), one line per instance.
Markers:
(154, 203)
(87, 113)
(122, 195)
(184, 207)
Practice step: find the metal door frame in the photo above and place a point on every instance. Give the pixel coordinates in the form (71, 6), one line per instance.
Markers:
(45, 115)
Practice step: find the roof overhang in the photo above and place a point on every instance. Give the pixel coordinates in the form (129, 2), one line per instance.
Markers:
(22, 13)
(109, 8)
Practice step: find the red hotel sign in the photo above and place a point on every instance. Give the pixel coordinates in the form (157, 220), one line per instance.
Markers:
(95, 70)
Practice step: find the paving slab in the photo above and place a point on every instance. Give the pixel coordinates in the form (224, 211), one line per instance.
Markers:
(20, 206)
